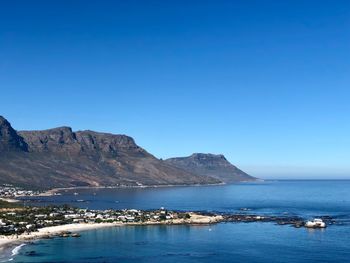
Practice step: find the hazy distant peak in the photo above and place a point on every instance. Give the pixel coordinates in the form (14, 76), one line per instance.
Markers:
(214, 165)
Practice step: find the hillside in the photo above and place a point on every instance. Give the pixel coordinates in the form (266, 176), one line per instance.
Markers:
(60, 157)
(211, 165)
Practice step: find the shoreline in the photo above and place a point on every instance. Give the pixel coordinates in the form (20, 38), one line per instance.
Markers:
(9, 200)
(195, 218)
(52, 231)
(54, 191)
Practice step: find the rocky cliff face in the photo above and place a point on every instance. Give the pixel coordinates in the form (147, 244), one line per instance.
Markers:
(211, 165)
(64, 140)
(9, 139)
(62, 158)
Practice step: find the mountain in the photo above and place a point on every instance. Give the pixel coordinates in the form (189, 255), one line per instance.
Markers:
(60, 157)
(9, 139)
(212, 165)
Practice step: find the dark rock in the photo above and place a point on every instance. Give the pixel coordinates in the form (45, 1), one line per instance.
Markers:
(9, 139)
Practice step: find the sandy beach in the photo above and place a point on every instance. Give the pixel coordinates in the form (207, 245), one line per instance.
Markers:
(54, 230)
(51, 231)
(9, 200)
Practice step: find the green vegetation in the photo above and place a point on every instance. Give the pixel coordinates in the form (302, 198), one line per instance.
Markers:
(4, 204)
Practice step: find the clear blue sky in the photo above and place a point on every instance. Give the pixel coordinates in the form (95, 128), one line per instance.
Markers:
(267, 83)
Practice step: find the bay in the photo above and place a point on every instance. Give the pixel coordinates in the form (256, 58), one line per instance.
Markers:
(225, 242)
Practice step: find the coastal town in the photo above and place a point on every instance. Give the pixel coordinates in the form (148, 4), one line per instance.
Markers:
(10, 191)
(30, 219)
(25, 220)
(19, 223)
(16, 219)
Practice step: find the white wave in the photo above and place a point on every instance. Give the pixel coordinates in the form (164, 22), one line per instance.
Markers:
(14, 252)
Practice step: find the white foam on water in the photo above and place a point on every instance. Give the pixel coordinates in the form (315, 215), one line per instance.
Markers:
(14, 252)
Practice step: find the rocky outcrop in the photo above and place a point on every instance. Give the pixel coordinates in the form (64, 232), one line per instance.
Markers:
(64, 140)
(9, 139)
(211, 165)
(61, 139)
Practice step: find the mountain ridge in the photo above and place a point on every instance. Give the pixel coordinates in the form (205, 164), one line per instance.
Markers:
(61, 157)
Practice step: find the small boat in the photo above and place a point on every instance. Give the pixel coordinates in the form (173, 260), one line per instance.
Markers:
(316, 223)
(76, 235)
(75, 193)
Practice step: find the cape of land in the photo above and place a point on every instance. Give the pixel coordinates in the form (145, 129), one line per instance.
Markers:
(20, 224)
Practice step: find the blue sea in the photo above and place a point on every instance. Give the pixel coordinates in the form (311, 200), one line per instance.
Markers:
(225, 242)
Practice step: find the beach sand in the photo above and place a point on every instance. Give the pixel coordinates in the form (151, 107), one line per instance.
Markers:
(9, 200)
(6, 241)
(51, 231)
